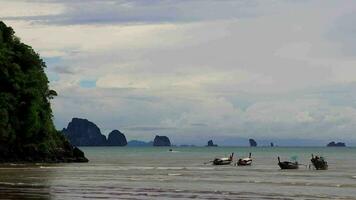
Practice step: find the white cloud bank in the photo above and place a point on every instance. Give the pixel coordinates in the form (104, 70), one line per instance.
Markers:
(264, 69)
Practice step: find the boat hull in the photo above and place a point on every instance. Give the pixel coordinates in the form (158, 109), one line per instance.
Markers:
(221, 162)
(319, 164)
(244, 162)
(288, 165)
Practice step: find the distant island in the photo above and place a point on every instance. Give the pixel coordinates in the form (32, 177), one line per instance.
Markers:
(252, 142)
(138, 143)
(27, 132)
(211, 144)
(334, 144)
(82, 132)
(160, 141)
(116, 138)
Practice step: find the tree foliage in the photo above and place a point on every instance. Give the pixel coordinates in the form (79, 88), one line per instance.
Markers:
(25, 112)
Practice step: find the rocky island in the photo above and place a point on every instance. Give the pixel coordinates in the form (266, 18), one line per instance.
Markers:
(161, 141)
(252, 142)
(116, 138)
(334, 144)
(27, 132)
(82, 132)
(211, 144)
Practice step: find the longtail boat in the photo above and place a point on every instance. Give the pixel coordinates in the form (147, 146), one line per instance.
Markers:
(223, 161)
(288, 164)
(245, 161)
(319, 163)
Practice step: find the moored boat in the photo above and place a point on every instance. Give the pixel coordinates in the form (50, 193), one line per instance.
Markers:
(245, 161)
(288, 164)
(319, 163)
(223, 161)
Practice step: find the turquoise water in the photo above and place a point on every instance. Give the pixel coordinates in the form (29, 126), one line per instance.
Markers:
(156, 173)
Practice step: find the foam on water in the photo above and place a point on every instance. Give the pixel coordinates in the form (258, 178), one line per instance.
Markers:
(174, 174)
(170, 168)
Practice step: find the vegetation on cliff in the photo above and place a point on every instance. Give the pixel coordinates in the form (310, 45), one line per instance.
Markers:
(27, 132)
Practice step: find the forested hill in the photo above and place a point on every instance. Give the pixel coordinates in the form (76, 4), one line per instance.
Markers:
(27, 132)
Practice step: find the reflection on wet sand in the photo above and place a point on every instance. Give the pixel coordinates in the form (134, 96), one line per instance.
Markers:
(25, 182)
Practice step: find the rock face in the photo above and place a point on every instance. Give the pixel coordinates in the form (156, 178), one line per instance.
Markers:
(27, 132)
(211, 144)
(333, 144)
(253, 143)
(116, 138)
(81, 132)
(161, 141)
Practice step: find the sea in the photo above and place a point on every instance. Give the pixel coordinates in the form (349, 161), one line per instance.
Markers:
(184, 173)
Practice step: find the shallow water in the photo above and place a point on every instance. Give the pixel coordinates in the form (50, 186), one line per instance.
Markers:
(156, 173)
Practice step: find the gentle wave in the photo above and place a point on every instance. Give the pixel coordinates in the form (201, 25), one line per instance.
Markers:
(174, 174)
(66, 192)
(170, 168)
(127, 192)
(21, 184)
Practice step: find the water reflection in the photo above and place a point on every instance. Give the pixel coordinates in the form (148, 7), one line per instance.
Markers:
(25, 182)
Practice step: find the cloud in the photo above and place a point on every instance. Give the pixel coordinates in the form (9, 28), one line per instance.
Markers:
(87, 83)
(136, 11)
(26, 9)
(63, 70)
(236, 69)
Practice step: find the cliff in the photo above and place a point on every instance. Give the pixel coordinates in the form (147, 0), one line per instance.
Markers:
(116, 138)
(161, 141)
(27, 132)
(81, 132)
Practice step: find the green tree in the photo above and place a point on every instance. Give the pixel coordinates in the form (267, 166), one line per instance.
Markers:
(26, 126)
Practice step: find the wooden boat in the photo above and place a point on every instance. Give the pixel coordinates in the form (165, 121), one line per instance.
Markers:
(245, 161)
(223, 161)
(287, 164)
(319, 163)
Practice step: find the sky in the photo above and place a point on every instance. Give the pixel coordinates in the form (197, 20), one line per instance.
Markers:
(194, 70)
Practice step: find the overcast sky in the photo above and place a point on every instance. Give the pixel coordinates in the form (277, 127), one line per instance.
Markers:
(198, 70)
